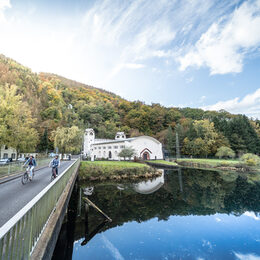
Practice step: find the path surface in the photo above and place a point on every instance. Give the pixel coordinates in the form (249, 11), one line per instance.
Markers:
(14, 195)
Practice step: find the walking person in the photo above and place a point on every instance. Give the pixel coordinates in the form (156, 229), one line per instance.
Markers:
(31, 162)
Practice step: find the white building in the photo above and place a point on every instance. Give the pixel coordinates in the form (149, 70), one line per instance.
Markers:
(7, 152)
(146, 147)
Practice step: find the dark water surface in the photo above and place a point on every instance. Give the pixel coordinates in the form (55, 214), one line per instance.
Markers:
(185, 214)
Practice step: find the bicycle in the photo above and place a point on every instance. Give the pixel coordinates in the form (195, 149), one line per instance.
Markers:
(53, 173)
(25, 177)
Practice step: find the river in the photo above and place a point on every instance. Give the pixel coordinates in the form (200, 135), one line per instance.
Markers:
(184, 214)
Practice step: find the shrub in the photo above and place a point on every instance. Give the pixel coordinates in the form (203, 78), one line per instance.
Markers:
(225, 151)
(250, 159)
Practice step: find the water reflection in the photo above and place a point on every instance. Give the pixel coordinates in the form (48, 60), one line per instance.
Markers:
(207, 215)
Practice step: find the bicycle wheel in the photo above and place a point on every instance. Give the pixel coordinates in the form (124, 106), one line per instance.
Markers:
(53, 174)
(25, 178)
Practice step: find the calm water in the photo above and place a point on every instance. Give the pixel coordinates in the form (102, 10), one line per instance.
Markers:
(185, 214)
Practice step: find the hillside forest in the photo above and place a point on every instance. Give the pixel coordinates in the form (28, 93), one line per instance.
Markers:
(41, 111)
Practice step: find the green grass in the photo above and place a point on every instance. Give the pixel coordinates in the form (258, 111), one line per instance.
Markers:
(164, 162)
(106, 169)
(212, 162)
(115, 164)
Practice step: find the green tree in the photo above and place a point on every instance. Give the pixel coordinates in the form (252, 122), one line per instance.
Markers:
(201, 138)
(250, 159)
(170, 141)
(16, 122)
(225, 151)
(68, 140)
(127, 152)
(44, 142)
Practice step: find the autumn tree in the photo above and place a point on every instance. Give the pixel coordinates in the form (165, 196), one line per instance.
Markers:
(68, 140)
(170, 141)
(200, 139)
(16, 122)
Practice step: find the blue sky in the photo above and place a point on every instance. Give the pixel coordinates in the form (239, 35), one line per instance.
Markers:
(177, 53)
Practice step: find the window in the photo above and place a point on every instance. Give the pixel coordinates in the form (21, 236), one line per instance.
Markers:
(117, 136)
(104, 147)
(99, 147)
(109, 147)
(95, 148)
(5, 155)
(115, 147)
(122, 146)
(6, 148)
(13, 155)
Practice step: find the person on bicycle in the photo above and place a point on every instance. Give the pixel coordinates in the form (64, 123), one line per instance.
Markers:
(55, 163)
(31, 164)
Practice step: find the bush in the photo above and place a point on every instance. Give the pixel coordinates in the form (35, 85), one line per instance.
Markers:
(225, 151)
(250, 159)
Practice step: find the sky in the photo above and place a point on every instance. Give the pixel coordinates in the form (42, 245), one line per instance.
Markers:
(202, 54)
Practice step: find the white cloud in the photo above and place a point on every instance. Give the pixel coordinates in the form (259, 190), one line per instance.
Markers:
(251, 215)
(4, 4)
(218, 219)
(189, 80)
(96, 45)
(113, 250)
(249, 105)
(240, 256)
(223, 46)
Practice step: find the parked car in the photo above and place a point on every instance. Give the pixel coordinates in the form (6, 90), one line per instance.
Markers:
(22, 159)
(5, 161)
(52, 154)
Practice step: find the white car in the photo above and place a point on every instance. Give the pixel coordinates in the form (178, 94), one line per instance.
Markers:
(22, 159)
(4, 161)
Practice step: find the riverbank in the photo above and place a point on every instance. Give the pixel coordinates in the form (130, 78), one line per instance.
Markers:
(162, 163)
(218, 164)
(115, 170)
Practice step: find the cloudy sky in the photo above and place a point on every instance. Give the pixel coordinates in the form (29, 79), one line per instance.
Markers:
(178, 53)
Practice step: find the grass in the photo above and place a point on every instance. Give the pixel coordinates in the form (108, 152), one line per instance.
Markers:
(115, 164)
(164, 162)
(112, 169)
(220, 164)
(212, 162)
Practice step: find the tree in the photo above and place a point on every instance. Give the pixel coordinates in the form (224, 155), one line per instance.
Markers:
(225, 151)
(68, 140)
(201, 138)
(127, 152)
(170, 140)
(44, 142)
(16, 122)
(250, 159)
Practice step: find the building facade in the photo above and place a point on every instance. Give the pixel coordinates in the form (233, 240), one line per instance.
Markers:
(7, 152)
(146, 147)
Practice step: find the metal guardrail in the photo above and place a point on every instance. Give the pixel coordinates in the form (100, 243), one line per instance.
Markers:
(16, 167)
(20, 234)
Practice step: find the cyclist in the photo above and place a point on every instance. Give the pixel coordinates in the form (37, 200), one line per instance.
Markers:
(31, 164)
(55, 163)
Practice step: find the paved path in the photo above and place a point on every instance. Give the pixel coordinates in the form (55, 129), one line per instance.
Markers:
(14, 195)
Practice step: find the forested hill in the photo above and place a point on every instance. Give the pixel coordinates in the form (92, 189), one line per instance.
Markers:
(54, 101)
